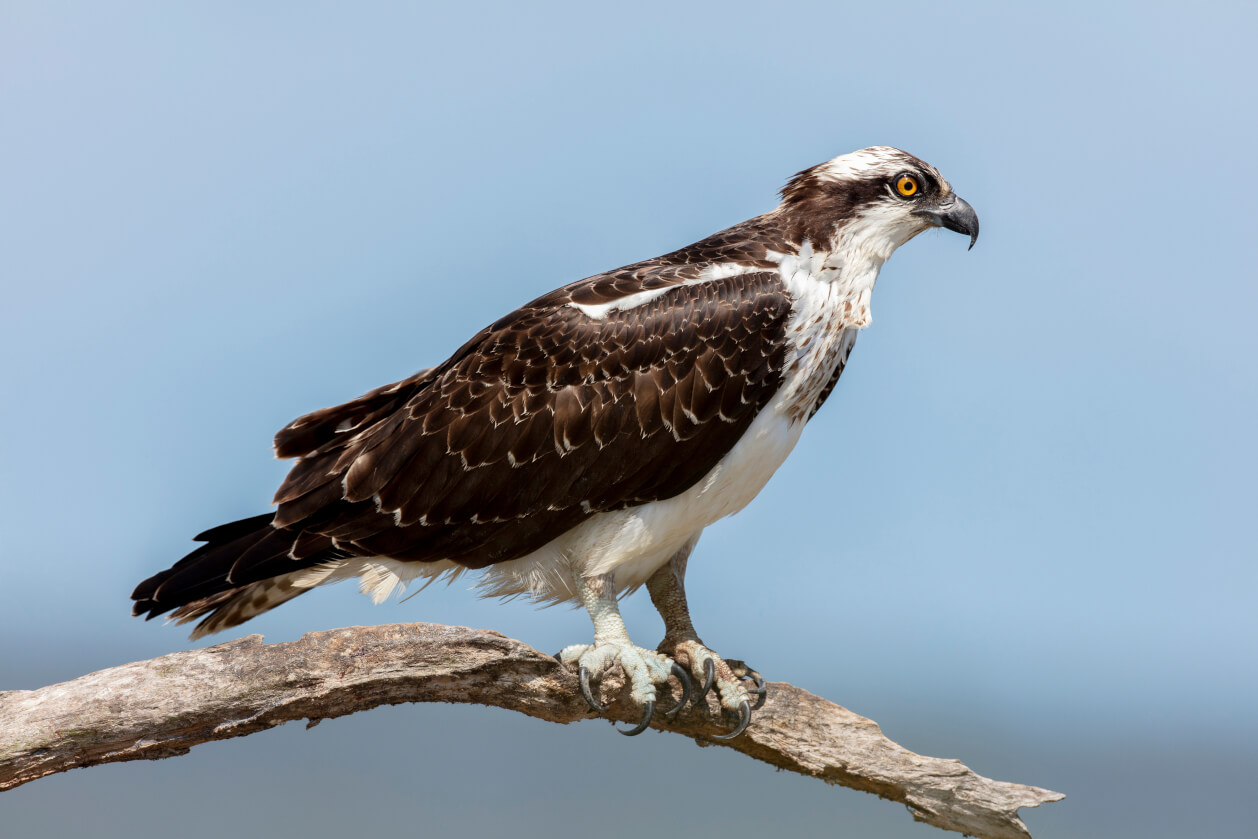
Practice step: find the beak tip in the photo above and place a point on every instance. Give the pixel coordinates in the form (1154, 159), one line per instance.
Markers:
(958, 216)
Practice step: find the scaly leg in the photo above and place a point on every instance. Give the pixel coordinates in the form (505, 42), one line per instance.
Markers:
(668, 593)
(644, 668)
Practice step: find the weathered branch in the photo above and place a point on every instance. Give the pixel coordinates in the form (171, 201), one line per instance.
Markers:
(162, 707)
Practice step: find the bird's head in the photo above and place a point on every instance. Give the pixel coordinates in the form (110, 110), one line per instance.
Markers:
(872, 201)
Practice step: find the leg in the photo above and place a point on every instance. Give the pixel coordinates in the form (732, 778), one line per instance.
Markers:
(668, 593)
(644, 668)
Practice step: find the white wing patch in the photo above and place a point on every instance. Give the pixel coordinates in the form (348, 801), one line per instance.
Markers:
(713, 272)
(598, 311)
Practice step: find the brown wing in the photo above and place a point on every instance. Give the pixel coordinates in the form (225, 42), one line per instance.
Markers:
(543, 419)
(331, 427)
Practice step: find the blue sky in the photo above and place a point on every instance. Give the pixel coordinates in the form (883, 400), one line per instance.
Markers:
(1021, 533)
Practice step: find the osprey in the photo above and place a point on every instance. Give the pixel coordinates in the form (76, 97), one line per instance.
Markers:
(575, 449)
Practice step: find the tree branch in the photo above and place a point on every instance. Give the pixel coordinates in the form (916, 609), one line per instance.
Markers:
(159, 708)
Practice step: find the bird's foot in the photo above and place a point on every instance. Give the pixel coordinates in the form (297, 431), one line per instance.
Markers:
(643, 668)
(730, 678)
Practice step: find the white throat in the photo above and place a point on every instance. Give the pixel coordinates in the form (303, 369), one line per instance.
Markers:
(842, 279)
(831, 293)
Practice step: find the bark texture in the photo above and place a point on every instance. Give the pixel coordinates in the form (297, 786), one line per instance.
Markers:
(164, 706)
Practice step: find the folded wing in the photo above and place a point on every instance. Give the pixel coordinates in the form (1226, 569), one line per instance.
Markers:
(561, 410)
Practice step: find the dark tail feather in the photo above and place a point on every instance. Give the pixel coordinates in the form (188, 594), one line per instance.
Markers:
(240, 572)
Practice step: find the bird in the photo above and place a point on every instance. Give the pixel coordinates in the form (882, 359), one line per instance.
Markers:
(574, 450)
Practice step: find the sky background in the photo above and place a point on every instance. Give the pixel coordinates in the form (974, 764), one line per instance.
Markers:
(1022, 532)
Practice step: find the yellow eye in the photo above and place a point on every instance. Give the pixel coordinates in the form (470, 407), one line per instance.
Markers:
(906, 185)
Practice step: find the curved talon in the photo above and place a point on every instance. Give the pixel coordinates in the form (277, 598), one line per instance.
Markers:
(759, 691)
(686, 688)
(744, 719)
(649, 711)
(584, 674)
(709, 676)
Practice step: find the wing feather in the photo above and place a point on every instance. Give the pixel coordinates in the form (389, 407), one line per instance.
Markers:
(543, 419)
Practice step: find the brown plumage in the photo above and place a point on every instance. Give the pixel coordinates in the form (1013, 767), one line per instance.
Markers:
(542, 420)
(616, 392)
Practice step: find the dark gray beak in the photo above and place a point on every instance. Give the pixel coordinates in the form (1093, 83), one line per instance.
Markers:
(955, 214)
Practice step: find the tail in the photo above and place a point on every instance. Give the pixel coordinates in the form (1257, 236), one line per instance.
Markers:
(245, 568)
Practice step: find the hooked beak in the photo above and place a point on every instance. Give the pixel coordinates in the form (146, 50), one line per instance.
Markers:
(955, 214)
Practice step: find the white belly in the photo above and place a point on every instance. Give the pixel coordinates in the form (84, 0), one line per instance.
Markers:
(635, 542)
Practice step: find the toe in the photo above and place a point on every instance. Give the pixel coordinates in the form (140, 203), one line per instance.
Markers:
(570, 655)
(760, 691)
(752, 681)
(739, 689)
(732, 693)
(644, 670)
(700, 662)
(741, 669)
